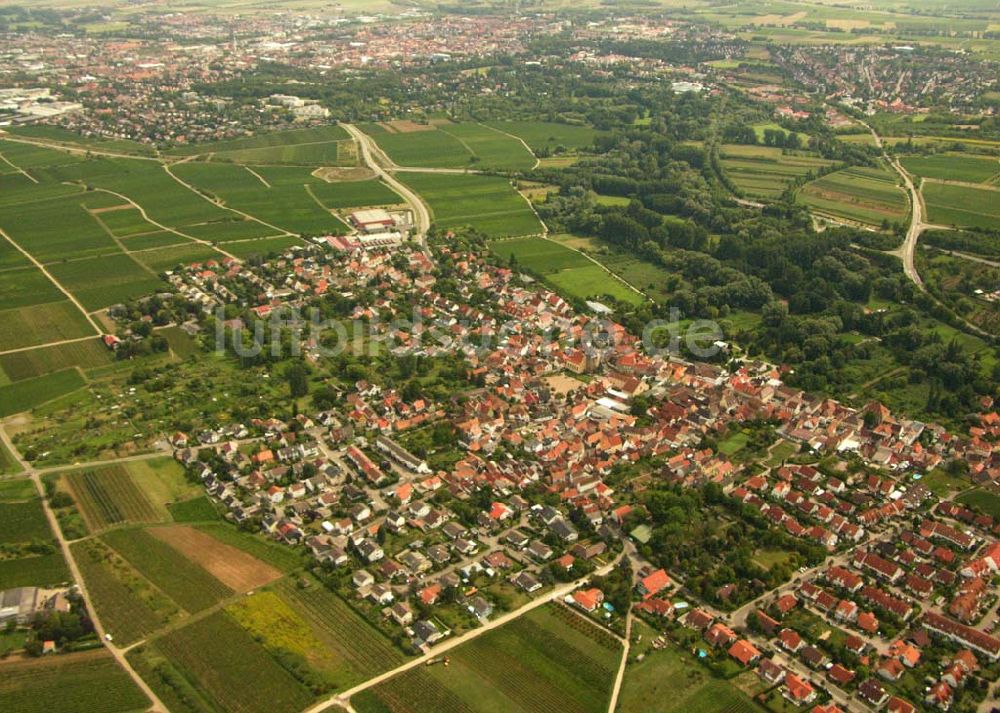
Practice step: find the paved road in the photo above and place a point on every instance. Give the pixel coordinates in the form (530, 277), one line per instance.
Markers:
(557, 593)
(119, 654)
(375, 158)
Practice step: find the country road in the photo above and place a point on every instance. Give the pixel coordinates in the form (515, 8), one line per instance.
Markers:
(917, 225)
(369, 150)
(117, 653)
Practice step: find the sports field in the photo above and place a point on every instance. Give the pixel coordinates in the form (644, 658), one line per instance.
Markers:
(962, 206)
(864, 195)
(568, 271)
(449, 145)
(765, 171)
(548, 660)
(486, 203)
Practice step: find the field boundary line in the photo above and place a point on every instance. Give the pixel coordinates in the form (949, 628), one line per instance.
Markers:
(257, 175)
(518, 138)
(161, 226)
(54, 281)
(220, 204)
(48, 344)
(18, 169)
(118, 241)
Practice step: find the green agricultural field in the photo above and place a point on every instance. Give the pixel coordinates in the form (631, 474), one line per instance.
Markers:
(566, 270)
(962, 206)
(538, 255)
(983, 500)
(246, 249)
(29, 393)
(26, 286)
(448, 145)
(286, 206)
(765, 171)
(864, 195)
(90, 682)
(671, 681)
(165, 200)
(277, 555)
(152, 241)
(109, 496)
(273, 139)
(189, 585)
(954, 167)
(107, 281)
(45, 360)
(42, 323)
(58, 228)
(354, 194)
(486, 203)
(227, 669)
(124, 221)
(199, 509)
(163, 259)
(593, 282)
(353, 650)
(34, 571)
(9, 466)
(129, 606)
(550, 659)
(546, 137)
(58, 135)
(22, 522)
